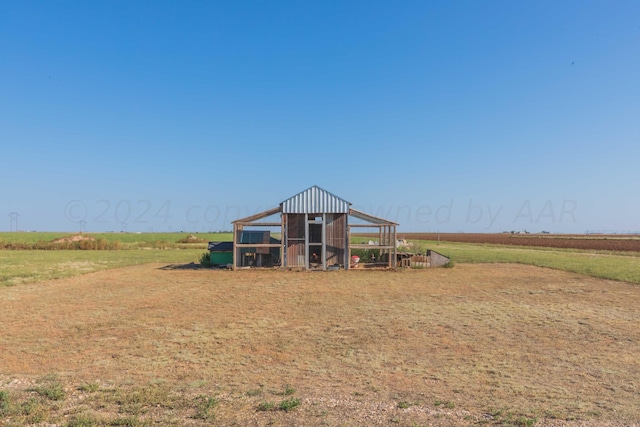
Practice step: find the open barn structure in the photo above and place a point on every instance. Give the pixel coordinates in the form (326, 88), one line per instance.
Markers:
(315, 233)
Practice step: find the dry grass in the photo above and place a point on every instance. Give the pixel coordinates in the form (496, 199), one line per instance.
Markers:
(477, 344)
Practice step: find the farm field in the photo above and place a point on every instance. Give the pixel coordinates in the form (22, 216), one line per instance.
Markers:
(29, 266)
(599, 242)
(28, 240)
(479, 344)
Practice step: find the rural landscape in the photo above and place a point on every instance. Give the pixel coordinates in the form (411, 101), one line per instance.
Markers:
(125, 329)
(319, 213)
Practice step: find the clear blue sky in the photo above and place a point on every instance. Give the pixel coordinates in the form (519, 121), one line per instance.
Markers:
(445, 116)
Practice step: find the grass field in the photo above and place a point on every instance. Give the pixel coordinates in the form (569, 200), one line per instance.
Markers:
(602, 264)
(20, 267)
(124, 240)
(27, 266)
(141, 336)
(479, 344)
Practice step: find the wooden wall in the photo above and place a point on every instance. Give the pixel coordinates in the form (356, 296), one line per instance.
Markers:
(295, 224)
(336, 238)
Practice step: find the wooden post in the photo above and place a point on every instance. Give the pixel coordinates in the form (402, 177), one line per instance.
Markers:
(380, 242)
(283, 240)
(347, 252)
(237, 228)
(395, 248)
(306, 240)
(324, 241)
(235, 252)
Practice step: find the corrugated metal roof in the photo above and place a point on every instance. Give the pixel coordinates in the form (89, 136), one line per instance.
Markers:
(315, 200)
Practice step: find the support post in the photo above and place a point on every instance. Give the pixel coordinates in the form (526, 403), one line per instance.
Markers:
(306, 240)
(347, 252)
(324, 241)
(235, 250)
(395, 248)
(283, 240)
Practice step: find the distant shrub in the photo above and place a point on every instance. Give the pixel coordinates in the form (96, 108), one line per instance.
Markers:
(205, 260)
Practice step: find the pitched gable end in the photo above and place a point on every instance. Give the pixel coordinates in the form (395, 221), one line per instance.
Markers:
(315, 200)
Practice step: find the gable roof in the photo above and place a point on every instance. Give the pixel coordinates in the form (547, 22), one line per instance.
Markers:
(315, 200)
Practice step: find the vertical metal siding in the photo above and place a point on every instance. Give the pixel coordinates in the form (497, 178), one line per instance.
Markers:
(315, 200)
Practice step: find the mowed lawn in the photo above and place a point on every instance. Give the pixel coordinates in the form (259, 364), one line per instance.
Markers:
(496, 344)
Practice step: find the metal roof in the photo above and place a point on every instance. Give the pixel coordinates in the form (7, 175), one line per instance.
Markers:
(221, 246)
(315, 200)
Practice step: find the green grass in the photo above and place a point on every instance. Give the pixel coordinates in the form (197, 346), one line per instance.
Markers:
(289, 404)
(596, 264)
(18, 267)
(266, 406)
(43, 240)
(50, 387)
(205, 408)
(28, 266)
(127, 240)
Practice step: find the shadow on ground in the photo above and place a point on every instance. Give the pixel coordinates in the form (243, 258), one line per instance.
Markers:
(190, 266)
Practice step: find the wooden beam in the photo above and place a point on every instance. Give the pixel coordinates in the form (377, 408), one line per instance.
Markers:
(258, 245)
(257, 224)
(365, 246)
(367, 225)
(260, 215)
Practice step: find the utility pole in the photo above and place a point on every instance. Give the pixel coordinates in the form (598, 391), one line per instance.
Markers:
(13, 221)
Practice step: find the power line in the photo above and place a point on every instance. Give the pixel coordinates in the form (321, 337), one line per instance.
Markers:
(13, 221)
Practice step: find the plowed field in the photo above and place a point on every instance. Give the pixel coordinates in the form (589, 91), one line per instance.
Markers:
(629, 243)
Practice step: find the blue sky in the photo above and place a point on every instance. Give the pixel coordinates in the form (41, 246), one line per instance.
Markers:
(475, 116)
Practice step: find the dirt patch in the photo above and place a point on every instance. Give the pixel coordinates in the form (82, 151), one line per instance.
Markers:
(74, 238)
(496, 344)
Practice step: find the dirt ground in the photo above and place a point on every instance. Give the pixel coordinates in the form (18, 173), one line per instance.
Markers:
(477, 344)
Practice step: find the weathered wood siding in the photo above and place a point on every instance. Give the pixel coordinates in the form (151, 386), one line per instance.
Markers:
(295, 240)
(336, 238)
